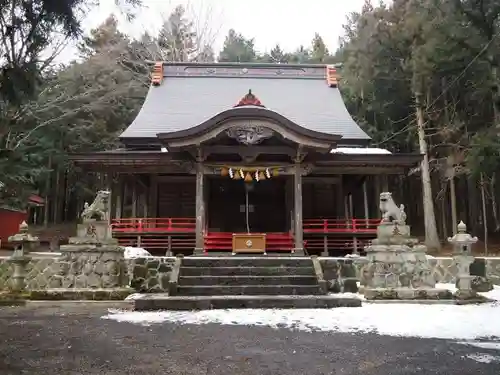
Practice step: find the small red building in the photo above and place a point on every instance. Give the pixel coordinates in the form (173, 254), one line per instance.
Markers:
(10, 218)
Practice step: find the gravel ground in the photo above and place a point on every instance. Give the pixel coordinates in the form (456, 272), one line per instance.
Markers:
(74, 340)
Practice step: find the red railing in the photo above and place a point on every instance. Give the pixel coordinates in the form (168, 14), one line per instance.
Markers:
(340, 225)
(163, 225)
(188, 225)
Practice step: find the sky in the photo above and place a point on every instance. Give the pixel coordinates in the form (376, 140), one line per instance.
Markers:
(290, 23)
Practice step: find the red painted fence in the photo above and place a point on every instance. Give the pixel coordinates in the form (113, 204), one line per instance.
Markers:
(340, 225)
(165, 225)
(178, 233)
(179, 225)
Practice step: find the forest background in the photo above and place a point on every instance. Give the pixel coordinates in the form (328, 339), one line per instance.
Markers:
(417, 75)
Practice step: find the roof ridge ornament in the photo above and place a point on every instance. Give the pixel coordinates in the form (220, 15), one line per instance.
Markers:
(249, 99)
(157, 74)
(332, 76)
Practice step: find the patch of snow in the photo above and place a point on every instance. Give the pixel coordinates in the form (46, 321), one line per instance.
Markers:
(361, 151)
(349, 295)
(465, 323)
(352, 256)
(135, 252)
(133, 296)
(451, 287)
(469, 322)
(483, 358)
(493, 345)
(492, 294)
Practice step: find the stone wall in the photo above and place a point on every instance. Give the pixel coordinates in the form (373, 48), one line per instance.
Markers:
(443, 269)
(143, 274)
(152, 274)
(89, 266)
(39, 272)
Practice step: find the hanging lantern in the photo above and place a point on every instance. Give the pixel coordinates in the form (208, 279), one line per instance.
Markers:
(268, 173)
(242, 174)
(237, 176)
(231, 173)
(256, 176)
(262, 176)
(248, 177)
(224, 172)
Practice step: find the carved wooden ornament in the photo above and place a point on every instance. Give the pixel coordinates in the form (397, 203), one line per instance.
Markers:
(249, 134)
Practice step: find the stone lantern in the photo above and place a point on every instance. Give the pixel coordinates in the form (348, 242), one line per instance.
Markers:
(23, 244)
(462, 254)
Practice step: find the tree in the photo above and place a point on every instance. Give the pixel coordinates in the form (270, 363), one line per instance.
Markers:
(319, 50)
(27, 29)
(177, 38)
(299, 56)
(237, 48)
(32, 32)
(276, 56)
(393, 56)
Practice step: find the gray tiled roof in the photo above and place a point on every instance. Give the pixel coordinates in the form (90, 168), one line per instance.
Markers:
(182, 102)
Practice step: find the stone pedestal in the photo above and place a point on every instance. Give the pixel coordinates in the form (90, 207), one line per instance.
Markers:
(398, 268)
(93, 260)
(99, 231)
(87, 265)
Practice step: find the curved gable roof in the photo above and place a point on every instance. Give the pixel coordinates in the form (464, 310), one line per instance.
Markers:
(224, 120)
(191, 94)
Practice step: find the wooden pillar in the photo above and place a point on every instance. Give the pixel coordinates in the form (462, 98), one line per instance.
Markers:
(200, 209)
(340, 199)
(351, 207)
(378, 190)
(289, 203)
(206, 200)
(299, 235)
(153, 196)
(134, 198)
(110, 187)
(119, 198)
(365, 201)
(384, 179)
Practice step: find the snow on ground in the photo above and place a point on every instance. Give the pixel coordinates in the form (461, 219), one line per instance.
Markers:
(469, 322)
(482, 344)
(483, 358)
(133, 297)
(135, 252)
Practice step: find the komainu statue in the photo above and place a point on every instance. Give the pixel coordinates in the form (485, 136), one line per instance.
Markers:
(99, 207)
(390, 212)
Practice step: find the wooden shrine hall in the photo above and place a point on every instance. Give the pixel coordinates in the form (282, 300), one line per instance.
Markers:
(250, 158)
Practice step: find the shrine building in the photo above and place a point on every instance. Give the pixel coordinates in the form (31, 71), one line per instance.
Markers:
(252, 158)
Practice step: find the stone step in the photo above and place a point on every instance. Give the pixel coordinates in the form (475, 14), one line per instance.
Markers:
(269, 290)
(262, 261)
(162, 301)
(248, 280)
(246, 271)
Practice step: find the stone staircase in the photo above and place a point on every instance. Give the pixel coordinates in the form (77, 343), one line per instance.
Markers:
(247, 276)
(244, 282)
